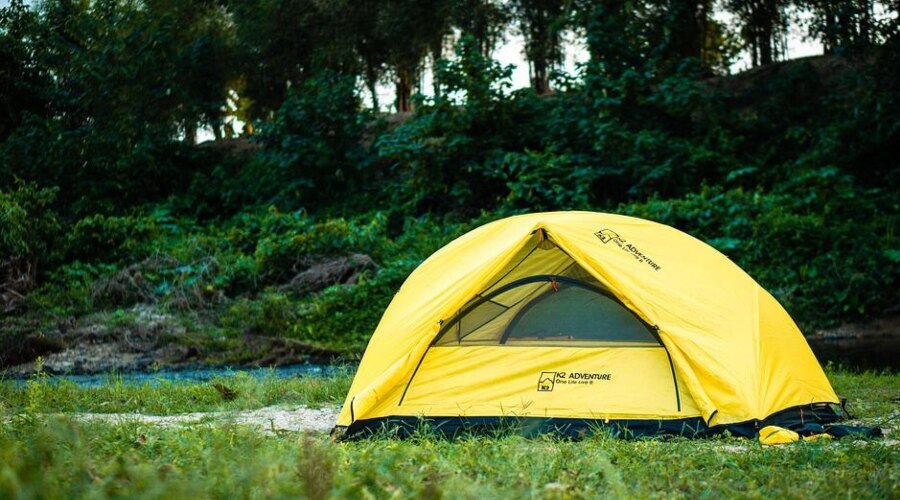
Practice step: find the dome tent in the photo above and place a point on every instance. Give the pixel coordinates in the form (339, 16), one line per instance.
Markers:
(568, 321)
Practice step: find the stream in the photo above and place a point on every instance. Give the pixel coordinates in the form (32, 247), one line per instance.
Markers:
(195, 375)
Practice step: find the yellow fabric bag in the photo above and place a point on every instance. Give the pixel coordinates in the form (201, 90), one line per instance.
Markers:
(773, 434)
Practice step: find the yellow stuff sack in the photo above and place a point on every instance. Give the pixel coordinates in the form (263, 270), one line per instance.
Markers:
(777, 435)
(818, 437)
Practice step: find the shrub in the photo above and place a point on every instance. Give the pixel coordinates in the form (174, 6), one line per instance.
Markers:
(344, 316)
(312, 146)
(288, 241)
(272, 314)
(29, 231)
(822, 245)
(28, 224)
(101, 238)
(546, 181)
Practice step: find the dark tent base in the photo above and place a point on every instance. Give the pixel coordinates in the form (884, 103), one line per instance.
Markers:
(806, 420)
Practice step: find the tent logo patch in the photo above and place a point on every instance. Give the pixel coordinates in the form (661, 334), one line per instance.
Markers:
(607, 235)
(546, 381)
(549, 380)
(610, 236)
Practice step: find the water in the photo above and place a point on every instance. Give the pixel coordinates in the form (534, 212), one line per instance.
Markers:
(865, 353)
(196, 375)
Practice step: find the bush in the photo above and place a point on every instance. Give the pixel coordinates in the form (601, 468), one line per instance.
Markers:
(345, 316)
(312, 146)
(447, 157)
(272, 314)
(101, 238)
(821, 244)
(28, 224)
(546, 181)
(289, 241)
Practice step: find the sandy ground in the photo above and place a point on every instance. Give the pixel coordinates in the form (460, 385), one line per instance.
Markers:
(271, 419)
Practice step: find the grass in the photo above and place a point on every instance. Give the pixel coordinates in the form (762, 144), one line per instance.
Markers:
(42, 394)
(59, 456)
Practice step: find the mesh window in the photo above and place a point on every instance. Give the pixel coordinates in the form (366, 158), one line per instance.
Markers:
(543, 297)
(579, 314)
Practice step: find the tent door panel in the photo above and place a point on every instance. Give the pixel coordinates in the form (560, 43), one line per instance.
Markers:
(545, 381)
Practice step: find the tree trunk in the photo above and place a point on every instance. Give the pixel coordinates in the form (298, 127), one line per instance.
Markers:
(766, 19)
(828, 42)
(540, 47)
(404, 90)
(371, 84)
(845, 29)
(437, 54)
(688, 24)
(540, 78)
(765, 48)
(865, 23)
(701, 21)
(190, 132)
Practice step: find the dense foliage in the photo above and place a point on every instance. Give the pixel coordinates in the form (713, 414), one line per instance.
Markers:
(107, 202)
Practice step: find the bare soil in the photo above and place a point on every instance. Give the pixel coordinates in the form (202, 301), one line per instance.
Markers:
(271, 419)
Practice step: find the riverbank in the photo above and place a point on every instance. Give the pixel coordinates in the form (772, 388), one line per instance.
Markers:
(212, 439)
(147, 339)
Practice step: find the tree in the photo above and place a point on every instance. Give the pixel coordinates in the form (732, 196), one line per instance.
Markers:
(541, 23)
(846, 25)
(369, 43)
(680, 30)
(685, 23)
(279, 41)
(411, 28)
(764, 26)
(22, 79)
(482, 20)
(614, 31)
(123, 80)
(206, 64)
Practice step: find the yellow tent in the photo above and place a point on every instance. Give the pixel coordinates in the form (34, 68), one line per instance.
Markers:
(574, 320)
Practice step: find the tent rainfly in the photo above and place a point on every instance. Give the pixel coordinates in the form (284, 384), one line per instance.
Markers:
(574, 321)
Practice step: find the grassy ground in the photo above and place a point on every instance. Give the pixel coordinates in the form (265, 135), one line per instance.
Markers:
(42, 394)
(62, 457)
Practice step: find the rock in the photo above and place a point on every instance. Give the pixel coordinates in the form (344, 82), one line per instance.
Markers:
(322, 274)
(17, 350)
(99, 346)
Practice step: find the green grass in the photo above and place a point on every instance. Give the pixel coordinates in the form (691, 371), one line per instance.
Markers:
(59, 456)
(43, 395)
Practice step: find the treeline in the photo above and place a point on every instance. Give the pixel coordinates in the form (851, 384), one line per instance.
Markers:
(179, 62)
(106, 200)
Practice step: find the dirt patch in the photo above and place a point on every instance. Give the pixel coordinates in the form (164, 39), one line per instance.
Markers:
(271, 419)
